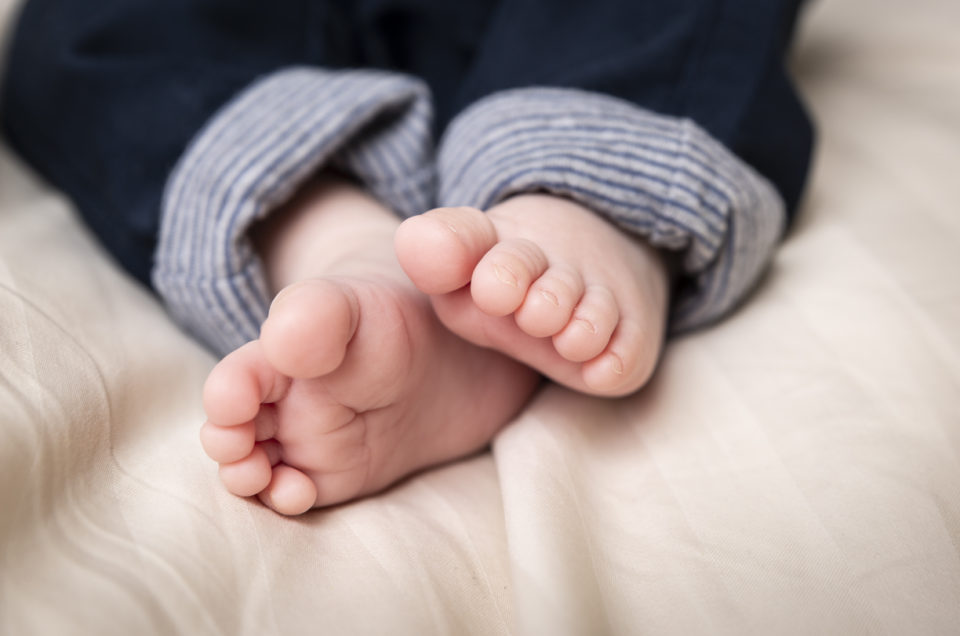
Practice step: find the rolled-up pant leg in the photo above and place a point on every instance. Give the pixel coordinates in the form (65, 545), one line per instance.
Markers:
(721, 63)
(103, 97)
(676, 121)
(175, 125)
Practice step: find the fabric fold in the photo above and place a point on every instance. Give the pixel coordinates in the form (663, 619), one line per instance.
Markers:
(656, 176)
(253, 155)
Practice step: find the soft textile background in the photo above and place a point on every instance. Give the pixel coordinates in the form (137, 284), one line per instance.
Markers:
(794, 469)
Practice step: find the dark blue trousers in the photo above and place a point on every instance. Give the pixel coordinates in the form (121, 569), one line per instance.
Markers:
(103, 97)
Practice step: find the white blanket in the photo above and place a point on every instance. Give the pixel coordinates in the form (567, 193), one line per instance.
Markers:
(795, 469)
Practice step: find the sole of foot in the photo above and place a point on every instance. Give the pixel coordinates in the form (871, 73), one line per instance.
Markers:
(353, 385)
(547, 282)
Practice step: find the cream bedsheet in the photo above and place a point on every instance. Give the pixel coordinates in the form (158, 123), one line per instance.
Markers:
(793, 470)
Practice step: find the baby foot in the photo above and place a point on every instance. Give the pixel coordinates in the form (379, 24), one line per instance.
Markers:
(546, 281)
(352, 385)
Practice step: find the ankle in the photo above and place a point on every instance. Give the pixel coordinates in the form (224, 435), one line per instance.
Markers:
(331, 224)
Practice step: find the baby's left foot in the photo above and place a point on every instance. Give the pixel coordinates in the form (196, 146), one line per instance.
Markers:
(548, 282)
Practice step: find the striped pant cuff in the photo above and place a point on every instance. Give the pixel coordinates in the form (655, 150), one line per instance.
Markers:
(656, 176)
(253, 155)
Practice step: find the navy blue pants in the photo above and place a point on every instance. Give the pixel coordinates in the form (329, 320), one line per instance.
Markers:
(102, 98)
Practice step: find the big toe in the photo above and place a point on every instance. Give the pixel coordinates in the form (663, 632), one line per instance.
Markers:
(309, 327)
(439, 249)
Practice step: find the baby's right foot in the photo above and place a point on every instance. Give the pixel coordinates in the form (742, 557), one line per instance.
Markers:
(354, 383)
(548, 282)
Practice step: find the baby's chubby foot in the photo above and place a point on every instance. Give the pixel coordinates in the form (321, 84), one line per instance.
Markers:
(351, 386)
(353, 383)
(548, 282)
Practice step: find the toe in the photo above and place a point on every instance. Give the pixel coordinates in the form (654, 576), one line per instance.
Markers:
(440, 249)
(239, 384)
(249, 475)
(588, 332)
(549, 302)
(626, 364)
(290, 491)
(225, 444)
(309, 327)
(503, 276)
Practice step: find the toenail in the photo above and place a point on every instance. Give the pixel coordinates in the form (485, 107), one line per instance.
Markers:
(504, 275)
(616, 364)
(551, 298)
(586, 324)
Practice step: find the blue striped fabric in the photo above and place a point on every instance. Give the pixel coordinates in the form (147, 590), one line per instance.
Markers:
(659, 177)
(253, 155)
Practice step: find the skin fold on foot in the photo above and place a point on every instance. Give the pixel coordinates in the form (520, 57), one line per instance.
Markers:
(354, 383)
(548, 282)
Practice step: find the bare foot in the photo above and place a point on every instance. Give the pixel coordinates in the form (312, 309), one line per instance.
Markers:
(353, 383)
(548, 282)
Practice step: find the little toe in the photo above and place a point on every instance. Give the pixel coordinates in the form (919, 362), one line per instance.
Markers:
(249, 475)
(626, 364)
(549, 302)
(588, 332)
(503, 276)
(439, 249)
(290, 491)
(225, 444)
(309, 327)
